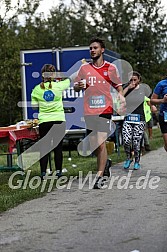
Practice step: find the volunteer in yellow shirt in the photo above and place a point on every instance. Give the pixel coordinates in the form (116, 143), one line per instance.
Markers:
(47, 96)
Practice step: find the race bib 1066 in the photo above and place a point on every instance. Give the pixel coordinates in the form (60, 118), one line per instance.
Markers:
(97, 101)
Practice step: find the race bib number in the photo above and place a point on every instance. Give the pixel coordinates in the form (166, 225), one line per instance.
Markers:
(97, 101)
(165, 116)
(133, 118)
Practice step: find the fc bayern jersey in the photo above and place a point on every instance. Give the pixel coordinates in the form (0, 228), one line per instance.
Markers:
(97, 96)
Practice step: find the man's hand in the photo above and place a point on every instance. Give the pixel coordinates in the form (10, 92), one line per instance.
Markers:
(79, 86)
(165, 98)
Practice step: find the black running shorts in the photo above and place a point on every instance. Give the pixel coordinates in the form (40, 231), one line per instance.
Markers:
(163, 124)
(98, 123)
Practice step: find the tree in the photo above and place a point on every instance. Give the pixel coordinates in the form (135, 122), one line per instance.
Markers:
(67, 28)
(150, 38)
(10, 86)
(8, 66)
(135, 28)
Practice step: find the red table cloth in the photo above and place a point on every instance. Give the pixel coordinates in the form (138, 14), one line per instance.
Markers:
(10, 135)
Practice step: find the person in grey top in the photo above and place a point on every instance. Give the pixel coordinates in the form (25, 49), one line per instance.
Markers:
(134, 122)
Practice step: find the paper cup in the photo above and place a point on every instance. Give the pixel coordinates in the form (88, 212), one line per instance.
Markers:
(84, 82)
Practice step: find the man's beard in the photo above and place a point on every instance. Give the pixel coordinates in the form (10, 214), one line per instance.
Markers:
(95, 58)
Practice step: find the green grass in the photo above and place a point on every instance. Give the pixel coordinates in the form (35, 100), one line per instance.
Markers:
(10, 198)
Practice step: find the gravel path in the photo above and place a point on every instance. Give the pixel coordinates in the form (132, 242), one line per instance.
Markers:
(115, 219)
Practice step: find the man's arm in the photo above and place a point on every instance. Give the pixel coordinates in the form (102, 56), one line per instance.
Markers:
(122, 103)
(155, 100)
(120, 90)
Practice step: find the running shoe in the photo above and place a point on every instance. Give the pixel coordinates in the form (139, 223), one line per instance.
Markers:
(107, 170)
(49, 171)
(127, 163)
(136, 166)
(99, 183)
(58, 173)
(43, 176)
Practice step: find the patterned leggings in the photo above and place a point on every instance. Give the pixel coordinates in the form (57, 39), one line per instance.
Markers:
(132, 138)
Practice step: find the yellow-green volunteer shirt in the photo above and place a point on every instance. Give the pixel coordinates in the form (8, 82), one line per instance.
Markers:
(147, 109)
(49, 101)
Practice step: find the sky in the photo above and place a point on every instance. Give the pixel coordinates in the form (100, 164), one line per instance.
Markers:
(46, 5)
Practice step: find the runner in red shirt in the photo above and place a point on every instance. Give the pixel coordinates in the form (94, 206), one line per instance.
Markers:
(99, 76)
